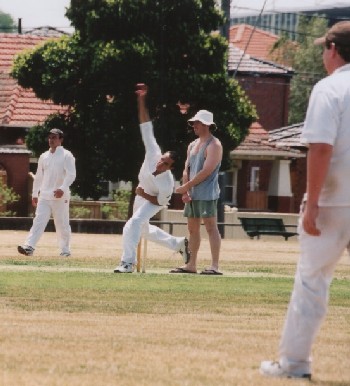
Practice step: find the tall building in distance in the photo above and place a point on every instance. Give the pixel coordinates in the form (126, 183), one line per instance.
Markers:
(277, 20)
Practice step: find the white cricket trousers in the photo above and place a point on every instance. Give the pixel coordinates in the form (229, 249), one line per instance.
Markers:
(138, 226)
(309, 300)
(59, 209)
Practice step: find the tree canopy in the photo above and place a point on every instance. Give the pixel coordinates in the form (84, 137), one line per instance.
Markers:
(308, 64)
(170, 45)
(7, 24)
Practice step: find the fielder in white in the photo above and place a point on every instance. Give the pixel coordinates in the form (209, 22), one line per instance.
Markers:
(156, 186)
(324, 224)
(51, 194)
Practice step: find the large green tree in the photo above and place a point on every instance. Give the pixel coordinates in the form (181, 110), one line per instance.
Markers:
(7, 24)
(170, 45)
(308, 64)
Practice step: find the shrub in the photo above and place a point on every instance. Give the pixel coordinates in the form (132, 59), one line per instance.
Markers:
(122, 199)
(79, 212)
(108, 212)
(7, 196)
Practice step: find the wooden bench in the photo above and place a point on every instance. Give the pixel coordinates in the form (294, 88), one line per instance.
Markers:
(254, 227)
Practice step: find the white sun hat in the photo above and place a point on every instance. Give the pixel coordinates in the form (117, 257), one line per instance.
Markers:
(204, 116)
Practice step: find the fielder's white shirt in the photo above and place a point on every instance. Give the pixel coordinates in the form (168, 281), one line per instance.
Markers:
(55, 171)
(328, 121)
(161, 185)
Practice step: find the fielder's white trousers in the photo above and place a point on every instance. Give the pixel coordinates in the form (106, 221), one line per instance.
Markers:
(59, 209)
(138, 226)
(309, 300)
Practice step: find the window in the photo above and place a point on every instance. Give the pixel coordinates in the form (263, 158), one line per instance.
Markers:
(230, 187)
(254, 179)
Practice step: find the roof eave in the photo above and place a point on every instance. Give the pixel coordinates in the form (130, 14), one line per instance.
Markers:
(266, 155)
(288, 74)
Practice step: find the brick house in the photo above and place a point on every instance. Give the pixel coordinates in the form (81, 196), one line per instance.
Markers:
(260, 177)
(269, 166)
(267, 85)
(264, 173)
(289, 137)
(20, 109)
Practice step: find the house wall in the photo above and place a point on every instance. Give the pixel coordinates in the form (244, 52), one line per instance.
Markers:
(270, 96)
(244, 179)
(284, 205)
(17, 169)
(298, 181)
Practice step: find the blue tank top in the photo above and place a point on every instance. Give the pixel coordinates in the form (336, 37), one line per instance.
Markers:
(209, 188)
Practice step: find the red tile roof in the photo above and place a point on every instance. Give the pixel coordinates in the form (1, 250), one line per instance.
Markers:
(256, 42)
(260, 42)
(256, 145)
(20, 107)
(250, 65)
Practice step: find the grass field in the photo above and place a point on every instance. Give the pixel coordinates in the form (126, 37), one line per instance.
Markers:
(72, 321)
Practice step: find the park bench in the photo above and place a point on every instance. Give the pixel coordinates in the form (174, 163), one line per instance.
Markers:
(254, 227)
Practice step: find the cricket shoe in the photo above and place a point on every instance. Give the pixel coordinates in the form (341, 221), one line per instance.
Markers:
(124, 268)
(185, 251)
(25, 250)
(274, 369)
(65, 254)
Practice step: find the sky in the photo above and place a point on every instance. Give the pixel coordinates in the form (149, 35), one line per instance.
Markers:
(243, 7)
(38, 13)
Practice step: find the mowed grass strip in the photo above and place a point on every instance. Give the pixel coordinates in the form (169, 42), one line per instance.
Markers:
(151, 293)
(153, 263)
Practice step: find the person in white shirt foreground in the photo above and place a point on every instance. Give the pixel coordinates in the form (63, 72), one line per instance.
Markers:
(155, 188)
(51, 194)
(324, 225)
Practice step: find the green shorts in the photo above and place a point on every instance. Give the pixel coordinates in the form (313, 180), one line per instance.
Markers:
(201, 208)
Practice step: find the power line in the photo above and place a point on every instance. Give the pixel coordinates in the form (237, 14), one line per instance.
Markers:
(319, 13)
(251, 35)
(266, 21)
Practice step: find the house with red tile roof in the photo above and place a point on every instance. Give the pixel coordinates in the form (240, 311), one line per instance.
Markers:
(267, 85)
(253, 41)
(257, 43)
(262, 171)
(20, 109)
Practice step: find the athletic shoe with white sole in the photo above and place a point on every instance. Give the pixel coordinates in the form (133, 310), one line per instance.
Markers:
(274, 369)
(65, 254)
(25, 250)
(124, 268)
(185, 251)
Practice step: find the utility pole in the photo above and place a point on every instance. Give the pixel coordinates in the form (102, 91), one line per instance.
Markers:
(19, 27)
(226, 8)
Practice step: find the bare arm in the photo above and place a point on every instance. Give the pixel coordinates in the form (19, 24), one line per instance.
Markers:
(141, 94)
(185, 176)
(318, 160)
(213, 158)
